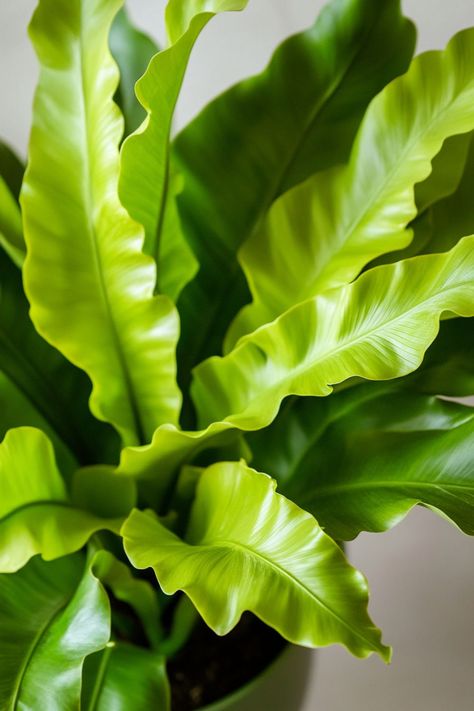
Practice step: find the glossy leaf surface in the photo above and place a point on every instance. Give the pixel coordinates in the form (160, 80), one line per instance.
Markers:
(360, 460)
(124, 677)
(351, 493)
(282, 566)
(321, 234)
(52, 615)
(56, 390)
(169, 449)
(137, 593)
(145, 188)
(35, 515)
(275, 132)
(377, 328)
(102, 291)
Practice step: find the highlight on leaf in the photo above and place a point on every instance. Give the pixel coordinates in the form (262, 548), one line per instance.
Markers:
(320, 215)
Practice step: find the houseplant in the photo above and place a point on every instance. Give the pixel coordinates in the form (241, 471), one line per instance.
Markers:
(315, 232)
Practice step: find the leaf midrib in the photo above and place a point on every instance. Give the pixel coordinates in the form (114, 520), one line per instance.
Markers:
(303, 369)
(89, 211)
(329, 489)
(248, 550)
(344, 234)
(34, 504)
(272, 191)
(29, 656)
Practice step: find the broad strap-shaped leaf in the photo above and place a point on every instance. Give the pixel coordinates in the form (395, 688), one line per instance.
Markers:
(57, 391)
(293, 444)
(249, 548)
(125, 678)
(276, 129)
(375, 463)
(145, 188)
(177, 263)
(448, 369)
(52, 615)
(321, 234)
(377, 328)
(11, 233)
(35, 514)
(137, 593)
(99, 308)
(132, 50)
(159, 462)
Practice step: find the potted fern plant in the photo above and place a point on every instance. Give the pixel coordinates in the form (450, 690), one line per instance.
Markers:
(225, 354)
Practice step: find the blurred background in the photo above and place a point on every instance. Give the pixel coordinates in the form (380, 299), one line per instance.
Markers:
(421, 573)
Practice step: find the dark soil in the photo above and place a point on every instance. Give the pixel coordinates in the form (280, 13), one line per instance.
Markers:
(210, 667)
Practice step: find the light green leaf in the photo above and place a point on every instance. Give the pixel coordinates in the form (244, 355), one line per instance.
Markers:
(56, 390)
(178, 264)
(132, 50)
(139, 594)
(236, 559)
(35, 514)
(169, 449)
(377, 328)
(299, 116)
(321, 234)
(440, 226)
(145, 188)
(125, 678)
(102, 290)
(371, 466)
(52, 615)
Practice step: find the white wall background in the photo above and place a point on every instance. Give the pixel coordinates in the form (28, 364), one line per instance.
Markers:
(421, 573)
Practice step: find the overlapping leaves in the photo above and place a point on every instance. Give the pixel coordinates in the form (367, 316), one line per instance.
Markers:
(234, 559)
(377, 328)
(321, 234)
(102, 290)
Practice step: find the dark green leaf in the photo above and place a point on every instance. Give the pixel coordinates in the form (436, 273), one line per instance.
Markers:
(11, 169)
(125, 678)
(370, 466)
(55, 389)
(52, 615)
(132, 50)
(268, 133)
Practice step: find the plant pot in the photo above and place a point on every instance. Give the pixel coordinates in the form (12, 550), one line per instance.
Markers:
(280, 687)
